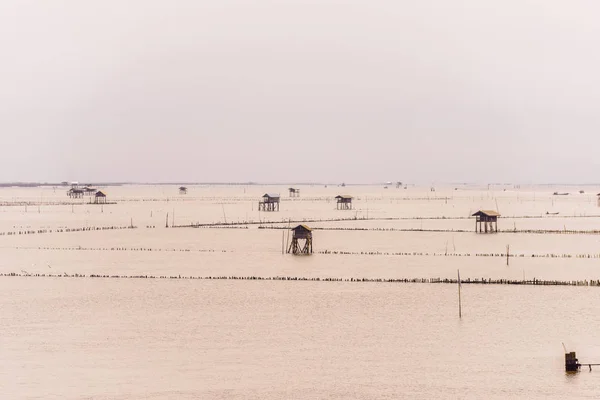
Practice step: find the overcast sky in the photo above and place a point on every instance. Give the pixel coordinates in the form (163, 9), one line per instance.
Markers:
(287, 91)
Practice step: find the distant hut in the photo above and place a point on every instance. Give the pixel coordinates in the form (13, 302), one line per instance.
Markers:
(344, 202)
(294, 192)
(75, 193)
(100, 198)
(182, 190)
(269, 202)
(301, 232)
(88, 191)
(486, 221)
(398, 184)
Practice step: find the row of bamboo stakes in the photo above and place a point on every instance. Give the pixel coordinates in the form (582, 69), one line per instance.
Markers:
(476, 281)
(506, 255)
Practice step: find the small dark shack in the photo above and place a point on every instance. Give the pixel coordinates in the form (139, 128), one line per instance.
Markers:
(572, 363)
(301, 232)
(100, 198)
(344, 202)
(486, 221)
(294, 192)
(182, 190)
(269, 202)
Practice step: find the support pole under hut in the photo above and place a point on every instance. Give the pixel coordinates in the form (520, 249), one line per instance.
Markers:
(301, 241)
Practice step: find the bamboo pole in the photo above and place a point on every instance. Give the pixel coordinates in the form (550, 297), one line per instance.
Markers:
(459, 300)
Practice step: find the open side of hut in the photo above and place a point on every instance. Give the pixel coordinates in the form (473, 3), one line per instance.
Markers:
(294, 192)
(344, 202)
(486, 221)
(99, 198)
(304, 233)
(182, 190)
(269, 202)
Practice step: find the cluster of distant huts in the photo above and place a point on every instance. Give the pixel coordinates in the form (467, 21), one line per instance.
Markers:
(78, 192)
(270, 201)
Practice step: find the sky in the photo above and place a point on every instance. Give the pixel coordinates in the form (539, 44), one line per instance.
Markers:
(426, 91)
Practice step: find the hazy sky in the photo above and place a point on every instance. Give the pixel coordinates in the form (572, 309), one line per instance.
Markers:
(326, 91)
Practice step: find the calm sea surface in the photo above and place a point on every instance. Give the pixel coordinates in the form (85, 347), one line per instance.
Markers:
(123, 338)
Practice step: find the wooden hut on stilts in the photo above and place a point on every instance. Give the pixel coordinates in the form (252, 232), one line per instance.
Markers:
(344, 202)
(75, 193)
(301, 232)
(100, 198)
(269, 202)
(486, 221)
(294, 192)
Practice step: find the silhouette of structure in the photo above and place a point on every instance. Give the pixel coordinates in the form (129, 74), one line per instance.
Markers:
(269, 202)
(344, 202)
(100, 198)
(301, 232)
(486, 221)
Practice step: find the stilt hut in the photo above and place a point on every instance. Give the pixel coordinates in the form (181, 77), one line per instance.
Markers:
(100, 198)
(182, 190)
(89, 191)
(486, 221)
(301, 232)
(294, 192)
(344, 202)
(75, 193)
(269, 202)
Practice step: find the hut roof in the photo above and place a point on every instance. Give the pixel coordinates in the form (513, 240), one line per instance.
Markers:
(75, 190)
(182, 188)
(487, 213)
(271, 195)
(343, 196)
(302, 227)
(100, 194)
(292, 189)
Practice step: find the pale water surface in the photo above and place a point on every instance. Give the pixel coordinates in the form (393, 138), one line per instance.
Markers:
(84, 338)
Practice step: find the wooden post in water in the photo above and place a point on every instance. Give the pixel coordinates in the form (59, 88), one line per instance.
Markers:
(507, 252)
(282, 242)
(167, 221)
(459, 301)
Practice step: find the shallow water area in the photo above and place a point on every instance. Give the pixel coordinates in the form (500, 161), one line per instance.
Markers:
(100, 338)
